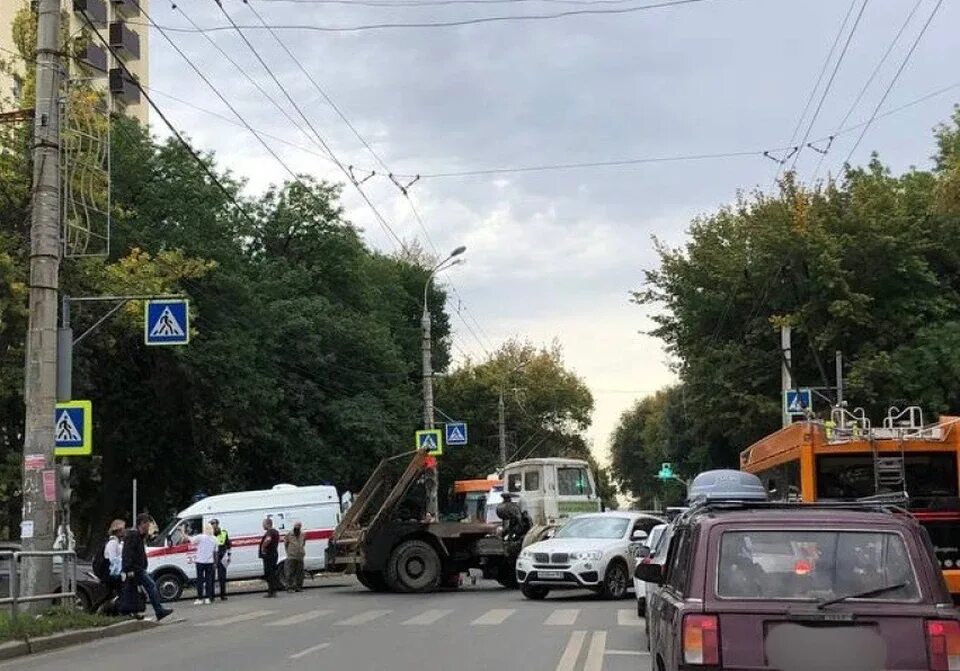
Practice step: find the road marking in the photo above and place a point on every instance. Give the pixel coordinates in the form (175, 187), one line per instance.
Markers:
(563, 616)
(304, 653)
(363, 618)
(630, 653)
(301, 617)
(572, 652)
(628, 618)
(233, 619)
(494, 616)
(598, 643)
(428, 617)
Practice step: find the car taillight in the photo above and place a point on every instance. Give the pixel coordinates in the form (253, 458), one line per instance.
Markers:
(943, 645)
(701, 639)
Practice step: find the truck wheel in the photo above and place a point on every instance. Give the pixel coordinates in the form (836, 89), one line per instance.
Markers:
(169, 586)
(615, 581)
(413, 567)
(372, 580)
(535, 592)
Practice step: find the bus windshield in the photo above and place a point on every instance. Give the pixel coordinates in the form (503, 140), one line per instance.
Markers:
(929, 475)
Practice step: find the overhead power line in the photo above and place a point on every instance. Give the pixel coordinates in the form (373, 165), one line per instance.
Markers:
(896, 77)
(443, 24)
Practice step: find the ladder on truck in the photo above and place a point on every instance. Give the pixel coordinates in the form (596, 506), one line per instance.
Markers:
(889, 472)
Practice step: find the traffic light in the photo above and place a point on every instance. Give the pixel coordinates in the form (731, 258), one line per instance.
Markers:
(64, 489)
(666, 471)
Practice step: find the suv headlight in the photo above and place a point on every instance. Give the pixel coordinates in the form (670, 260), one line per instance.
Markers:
(587, 554)
(526, 554)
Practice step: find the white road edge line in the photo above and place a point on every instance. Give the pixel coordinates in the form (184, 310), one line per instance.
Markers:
(304, 653)
(598, 643)
(568, 661)
(632, 653)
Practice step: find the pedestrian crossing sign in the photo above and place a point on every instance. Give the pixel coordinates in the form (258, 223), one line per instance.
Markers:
(797, 401)
(166, 322)
(430, 440)
(73, 429)
(456, 433)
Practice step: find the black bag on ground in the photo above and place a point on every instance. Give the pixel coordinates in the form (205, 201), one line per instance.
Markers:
(132, 599)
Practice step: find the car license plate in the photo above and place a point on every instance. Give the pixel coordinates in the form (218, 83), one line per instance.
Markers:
(550, 575)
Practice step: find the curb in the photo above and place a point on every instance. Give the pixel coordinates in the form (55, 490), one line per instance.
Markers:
(32, 646)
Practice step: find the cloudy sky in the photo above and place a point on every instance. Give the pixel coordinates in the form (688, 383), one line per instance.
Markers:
(554, 254)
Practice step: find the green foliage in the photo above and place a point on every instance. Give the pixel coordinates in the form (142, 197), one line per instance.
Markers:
(54, 621)
(869, 266)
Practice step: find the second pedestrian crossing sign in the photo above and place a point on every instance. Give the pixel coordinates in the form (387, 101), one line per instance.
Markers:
(166, 322)
(456, 433)
(73, 429)
(430, 440)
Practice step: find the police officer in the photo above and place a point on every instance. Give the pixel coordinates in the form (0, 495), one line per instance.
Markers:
(223, 556)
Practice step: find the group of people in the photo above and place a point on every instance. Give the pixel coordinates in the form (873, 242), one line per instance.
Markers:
(124, 562)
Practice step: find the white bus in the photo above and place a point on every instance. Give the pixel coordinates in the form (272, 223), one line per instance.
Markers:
(171, 559)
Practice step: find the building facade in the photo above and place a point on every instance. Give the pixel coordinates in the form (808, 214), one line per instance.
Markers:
(121, 22)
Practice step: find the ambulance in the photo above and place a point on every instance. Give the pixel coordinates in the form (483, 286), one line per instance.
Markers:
(170, 558)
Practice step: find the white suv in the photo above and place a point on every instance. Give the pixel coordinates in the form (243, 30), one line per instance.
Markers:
(594, 552)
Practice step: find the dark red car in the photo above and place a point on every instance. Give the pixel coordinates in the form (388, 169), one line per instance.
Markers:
(757, 585)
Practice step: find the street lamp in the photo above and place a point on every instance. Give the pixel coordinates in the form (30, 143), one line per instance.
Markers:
(427, 364)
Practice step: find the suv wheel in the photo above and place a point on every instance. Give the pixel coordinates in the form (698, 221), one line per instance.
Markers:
(615, 581)
(413, 567)
(535, 592)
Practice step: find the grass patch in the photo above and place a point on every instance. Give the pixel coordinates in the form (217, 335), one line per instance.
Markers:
(52, 621)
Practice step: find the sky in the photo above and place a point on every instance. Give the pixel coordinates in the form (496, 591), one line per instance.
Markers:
(554, 255)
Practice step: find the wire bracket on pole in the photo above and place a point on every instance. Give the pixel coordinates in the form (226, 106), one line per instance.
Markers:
(353, 176)
(825, 149)
(783, 160)
(404, 188)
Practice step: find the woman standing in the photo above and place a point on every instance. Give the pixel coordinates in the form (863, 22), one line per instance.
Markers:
(206, 549)
(112, 554)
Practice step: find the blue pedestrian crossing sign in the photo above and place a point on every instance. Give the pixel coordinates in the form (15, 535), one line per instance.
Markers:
(73, 429)
(798, 401)
(166, 322)
(456, 433)
(430, 440)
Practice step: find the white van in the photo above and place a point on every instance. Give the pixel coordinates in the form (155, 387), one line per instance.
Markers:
(170, 559)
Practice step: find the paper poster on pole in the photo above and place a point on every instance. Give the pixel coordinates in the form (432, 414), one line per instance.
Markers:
(26, 529)
(50, 485)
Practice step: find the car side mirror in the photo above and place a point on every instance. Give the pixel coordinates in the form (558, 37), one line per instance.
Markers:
(652, 573)
(639, 535)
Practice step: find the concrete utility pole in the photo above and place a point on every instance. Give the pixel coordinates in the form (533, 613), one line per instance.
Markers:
(502, 430)
(40, 374)
(839, 364)
(786, 381)
(427, 372)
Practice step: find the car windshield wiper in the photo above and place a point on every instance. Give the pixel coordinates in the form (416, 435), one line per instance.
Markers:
(877, 591)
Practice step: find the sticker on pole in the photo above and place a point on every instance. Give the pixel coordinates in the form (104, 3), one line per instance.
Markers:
(456, 433)
(431, 441)
(797, 401)
(166, 322)
(73, 429)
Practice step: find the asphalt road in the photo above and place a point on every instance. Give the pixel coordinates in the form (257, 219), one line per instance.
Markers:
(340, 625)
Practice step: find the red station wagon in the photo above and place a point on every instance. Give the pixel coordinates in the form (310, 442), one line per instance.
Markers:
(798, 587)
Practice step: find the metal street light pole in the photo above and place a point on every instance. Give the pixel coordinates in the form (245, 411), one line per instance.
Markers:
(426, 351)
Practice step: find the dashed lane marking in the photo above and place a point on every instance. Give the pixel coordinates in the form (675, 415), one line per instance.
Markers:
(234, 619)
(494, 616)
(299, 618)
(598, 643)
(429, 617)
(304, 653)
(364, 618)
(568, 661)
(563, 616)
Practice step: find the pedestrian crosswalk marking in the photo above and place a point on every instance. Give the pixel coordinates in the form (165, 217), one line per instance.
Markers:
(233, 619)
(568, 661)
(299, 618)
(167, 325)
(429, 617)
(494, 616)
(364, 618)
(66, 430)
(628, 618)
(563, 616)
(304, 653)
(598, 643)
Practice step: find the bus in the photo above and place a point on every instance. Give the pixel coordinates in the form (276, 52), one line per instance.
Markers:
(845, 458)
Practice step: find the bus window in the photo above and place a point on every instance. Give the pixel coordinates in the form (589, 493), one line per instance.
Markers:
(928, 475)
(531, 481)
(782, 481)
(573, 481)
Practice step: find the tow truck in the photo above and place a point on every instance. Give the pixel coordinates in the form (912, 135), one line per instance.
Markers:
(390, 542)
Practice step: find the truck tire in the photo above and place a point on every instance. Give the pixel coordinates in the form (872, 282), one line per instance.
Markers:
(413, 567)
(372, 580)
(615, 581)
(535, 592)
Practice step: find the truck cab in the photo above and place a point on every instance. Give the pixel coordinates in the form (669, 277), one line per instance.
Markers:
(552, 489)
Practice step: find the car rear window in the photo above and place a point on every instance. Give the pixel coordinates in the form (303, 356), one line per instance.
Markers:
(815, 565)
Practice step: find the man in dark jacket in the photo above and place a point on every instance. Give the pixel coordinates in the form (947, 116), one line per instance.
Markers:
(270, 554)
(134, 569)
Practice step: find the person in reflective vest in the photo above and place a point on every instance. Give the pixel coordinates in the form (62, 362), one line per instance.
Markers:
(223, 556)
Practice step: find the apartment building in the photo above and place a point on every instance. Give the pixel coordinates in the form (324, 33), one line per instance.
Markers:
(119, 21)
